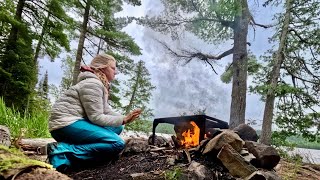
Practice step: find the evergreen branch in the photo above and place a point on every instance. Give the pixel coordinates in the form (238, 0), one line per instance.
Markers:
(300, 78)
(83, 6)
(93, 43)
(52, 14)
(88, 52)
(229, 24)
(298, 35)
(304, 65)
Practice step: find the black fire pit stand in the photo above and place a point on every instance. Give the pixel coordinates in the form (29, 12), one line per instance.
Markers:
(202, 121)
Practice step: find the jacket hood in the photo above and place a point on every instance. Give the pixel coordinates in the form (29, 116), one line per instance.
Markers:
(86, 75)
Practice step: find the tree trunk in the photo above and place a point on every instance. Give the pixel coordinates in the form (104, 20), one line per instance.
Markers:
(13, 37)
(269, 106)
(82, 37)
(38, 48)
(240, 66)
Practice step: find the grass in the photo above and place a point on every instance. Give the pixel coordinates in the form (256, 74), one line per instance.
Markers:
(35, 125)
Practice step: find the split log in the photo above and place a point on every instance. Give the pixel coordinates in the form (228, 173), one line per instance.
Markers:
(34, 144)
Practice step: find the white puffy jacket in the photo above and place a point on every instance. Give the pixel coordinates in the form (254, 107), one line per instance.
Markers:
(86, 99)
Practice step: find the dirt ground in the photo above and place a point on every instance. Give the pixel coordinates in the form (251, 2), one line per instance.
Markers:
(148, 166)
(291, 170)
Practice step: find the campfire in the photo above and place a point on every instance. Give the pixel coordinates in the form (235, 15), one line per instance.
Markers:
(190, 130)
(190, 137)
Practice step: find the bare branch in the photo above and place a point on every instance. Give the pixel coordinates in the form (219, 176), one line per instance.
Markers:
(187, 56)
(253, 22)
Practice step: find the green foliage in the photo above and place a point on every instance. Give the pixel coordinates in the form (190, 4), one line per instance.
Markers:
(253, 68)
(140, 125)
(209, 20)
(297, 91)
(174, 174)
(36, 124)
(165, 128)
(67, 67)
(18, 74)
(139, 90)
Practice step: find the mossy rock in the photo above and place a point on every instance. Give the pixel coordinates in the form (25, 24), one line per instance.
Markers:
(14, 163)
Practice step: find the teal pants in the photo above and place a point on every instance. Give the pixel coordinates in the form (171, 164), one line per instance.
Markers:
(84, 141)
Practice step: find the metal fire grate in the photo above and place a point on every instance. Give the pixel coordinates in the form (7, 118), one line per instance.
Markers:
(202, 121)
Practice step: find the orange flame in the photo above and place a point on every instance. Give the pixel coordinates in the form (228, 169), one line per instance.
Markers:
(191, 136)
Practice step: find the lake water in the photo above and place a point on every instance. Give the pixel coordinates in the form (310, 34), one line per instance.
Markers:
(309, 155)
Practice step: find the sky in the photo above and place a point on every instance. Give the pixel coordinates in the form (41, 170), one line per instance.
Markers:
(185, 88)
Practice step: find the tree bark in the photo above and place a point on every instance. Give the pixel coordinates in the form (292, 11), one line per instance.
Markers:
(269, 106)
(240, 66)
(38, 48)
(82, 37)
(13, 37)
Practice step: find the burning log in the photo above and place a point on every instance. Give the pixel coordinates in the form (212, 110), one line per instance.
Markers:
(188, 134)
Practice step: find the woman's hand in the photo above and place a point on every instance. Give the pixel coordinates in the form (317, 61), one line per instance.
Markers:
(132, 116)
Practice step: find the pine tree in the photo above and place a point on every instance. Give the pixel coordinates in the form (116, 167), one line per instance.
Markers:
(98, 23)
(43, 87)
(290, 80)
(139, 94)
(18, 74)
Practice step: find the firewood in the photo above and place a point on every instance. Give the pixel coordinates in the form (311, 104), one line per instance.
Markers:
(186, 152)
(157, 149)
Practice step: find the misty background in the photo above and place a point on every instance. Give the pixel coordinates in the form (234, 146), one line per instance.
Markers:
(185, 88)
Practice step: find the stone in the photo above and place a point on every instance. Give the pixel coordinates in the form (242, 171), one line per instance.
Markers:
(5, 138)
(246, 132)
(234, 162)
(226, 137)
(198, 170)
(42, 173)
(267, 157)
(159, 141)
(136, 146)
(248, 157)
(171, 161)
(137, 175)
(263, 175)
(212, 132)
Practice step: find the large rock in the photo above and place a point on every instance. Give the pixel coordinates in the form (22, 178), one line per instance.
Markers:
(235, 163)
(226, 137)
(159, 141)
(263, 175)
(198, 171)
(266, 156)
(246, 132)
(5, 136)
(136, 145)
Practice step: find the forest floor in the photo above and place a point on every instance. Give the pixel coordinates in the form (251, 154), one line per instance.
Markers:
(151, 165)
(147, 166)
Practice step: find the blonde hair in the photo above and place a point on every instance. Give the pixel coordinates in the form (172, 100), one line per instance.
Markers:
(101, 61)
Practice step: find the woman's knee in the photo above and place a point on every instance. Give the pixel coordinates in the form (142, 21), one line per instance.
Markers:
(119, 145)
